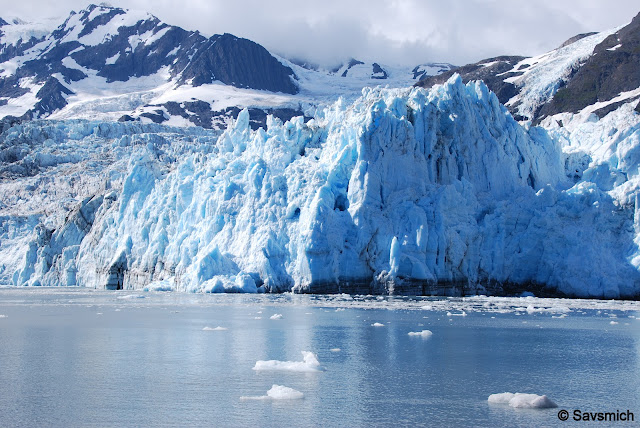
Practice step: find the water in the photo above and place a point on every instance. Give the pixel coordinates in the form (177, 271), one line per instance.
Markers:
(87, 358)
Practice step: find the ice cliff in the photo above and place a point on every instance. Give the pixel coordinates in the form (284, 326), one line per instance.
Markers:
(403, 191)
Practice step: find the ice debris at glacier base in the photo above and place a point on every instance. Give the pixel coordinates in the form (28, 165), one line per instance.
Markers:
(403, 191)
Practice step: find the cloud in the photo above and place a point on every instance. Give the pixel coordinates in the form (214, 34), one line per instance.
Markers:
(388, 31)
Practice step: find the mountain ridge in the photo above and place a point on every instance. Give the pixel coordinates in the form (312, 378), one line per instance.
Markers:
(104, 50)
(589, 68)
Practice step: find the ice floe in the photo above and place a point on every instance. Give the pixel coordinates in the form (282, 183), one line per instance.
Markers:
(278, 392)
(309, 363)
(423, 333)
(523, 401)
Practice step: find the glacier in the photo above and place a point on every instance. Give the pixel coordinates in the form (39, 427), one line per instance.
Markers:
(403, 191)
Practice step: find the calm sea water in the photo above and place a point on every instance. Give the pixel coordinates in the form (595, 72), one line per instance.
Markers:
(85, 358)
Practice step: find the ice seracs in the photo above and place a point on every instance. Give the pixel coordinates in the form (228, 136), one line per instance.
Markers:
(402, 191)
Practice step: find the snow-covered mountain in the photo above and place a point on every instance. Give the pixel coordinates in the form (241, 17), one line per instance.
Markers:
(385, 190)
(588, 69)
(115, 64)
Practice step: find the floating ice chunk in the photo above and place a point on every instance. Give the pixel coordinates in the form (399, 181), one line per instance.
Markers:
(523, 401)
(423, 333)
(614, 323)
(335, 349)
(159, 286)
(3, 316)
(377, 324)
(310, 363)
(462, 314)
(278, 392)
(275, 317)
(556, 309)
(218, 328)
(131, 297)
(426, 307)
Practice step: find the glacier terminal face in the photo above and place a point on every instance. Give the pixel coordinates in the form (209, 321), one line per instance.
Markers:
(403, 191)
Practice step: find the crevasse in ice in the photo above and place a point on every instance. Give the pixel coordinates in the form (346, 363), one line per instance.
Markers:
(404, 191)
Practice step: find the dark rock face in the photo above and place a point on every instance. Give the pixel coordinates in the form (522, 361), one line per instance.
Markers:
(575, 39)
(493, 71)
(157, 116)
(10, 87)
(420, 73)
(638, 108)
(612, 69)
(352, 63)
(101, 19)
(238, 62)
(200, 114)
(188, 56)
(378, 72)
(8, 51)
(602, 112)
(51, 97)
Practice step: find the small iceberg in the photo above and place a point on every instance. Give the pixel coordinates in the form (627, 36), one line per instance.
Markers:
(522, 401)
(218, 328)
(423, 333)
(278, 392)
(309, 363)
(131, 297)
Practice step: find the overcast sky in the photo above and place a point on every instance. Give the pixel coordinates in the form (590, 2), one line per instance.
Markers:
(389, 31)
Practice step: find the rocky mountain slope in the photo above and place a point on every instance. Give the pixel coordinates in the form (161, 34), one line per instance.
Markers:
(116, 64)
(588, 69)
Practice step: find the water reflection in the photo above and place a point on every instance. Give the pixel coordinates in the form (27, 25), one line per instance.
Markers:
(91, 359)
